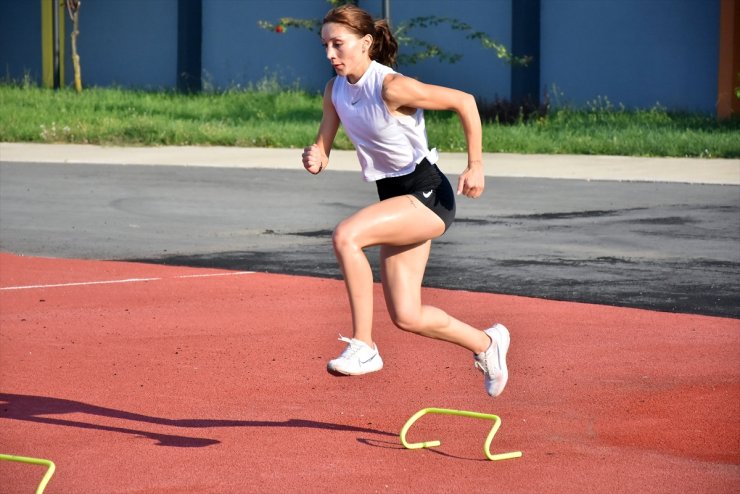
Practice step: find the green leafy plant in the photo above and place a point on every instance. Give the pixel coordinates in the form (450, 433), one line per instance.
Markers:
(421, 48)
(313, 25)
(426, 50)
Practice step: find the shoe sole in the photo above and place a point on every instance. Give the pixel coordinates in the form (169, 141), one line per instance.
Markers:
(503, 341)
(338, 373)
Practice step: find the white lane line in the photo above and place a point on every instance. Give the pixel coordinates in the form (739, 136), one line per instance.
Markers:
(129, 280)
(214, 274)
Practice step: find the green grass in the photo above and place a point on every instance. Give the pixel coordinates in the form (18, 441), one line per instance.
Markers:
(273, 117)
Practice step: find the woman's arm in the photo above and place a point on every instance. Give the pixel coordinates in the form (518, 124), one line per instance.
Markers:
(316, 156)
(401, 92)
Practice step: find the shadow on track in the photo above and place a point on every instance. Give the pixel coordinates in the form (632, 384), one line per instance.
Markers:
(36, 408)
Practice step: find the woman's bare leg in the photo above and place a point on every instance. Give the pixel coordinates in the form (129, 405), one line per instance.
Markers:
(403, 227)
(397, 220)
(402, 271)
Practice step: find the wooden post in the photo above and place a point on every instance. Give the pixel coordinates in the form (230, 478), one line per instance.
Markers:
(729, 59)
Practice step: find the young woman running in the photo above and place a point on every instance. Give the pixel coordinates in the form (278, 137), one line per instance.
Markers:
(382, 113)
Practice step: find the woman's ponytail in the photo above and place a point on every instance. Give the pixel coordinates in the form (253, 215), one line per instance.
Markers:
(385, 46)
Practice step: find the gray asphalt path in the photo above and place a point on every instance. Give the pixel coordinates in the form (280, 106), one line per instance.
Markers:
(662, 245)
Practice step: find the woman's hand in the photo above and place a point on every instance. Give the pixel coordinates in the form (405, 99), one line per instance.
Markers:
(313, 159)
(472, 181)
(401, 93)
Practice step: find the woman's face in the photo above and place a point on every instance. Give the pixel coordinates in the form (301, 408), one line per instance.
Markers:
(348, 53)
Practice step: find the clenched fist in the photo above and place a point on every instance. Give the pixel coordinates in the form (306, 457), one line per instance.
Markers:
(313, 159)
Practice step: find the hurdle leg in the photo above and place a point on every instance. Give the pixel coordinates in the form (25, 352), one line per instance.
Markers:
(34, 461)
(462, 413)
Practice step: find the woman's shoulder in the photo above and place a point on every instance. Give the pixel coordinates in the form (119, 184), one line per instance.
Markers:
(392, 81)
(329, 85)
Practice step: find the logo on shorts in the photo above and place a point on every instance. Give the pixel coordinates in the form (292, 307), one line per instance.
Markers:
(427, 194)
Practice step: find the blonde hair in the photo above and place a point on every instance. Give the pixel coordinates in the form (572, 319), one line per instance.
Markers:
(384, 48)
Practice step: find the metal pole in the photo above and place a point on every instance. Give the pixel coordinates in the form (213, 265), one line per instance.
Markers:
(386, 12)
(55, 35)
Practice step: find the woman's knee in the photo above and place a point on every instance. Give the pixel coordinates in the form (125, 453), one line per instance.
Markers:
(341, 237)
(345, 238)
(407, 320)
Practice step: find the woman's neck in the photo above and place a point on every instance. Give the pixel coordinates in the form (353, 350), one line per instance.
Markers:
(353, 78)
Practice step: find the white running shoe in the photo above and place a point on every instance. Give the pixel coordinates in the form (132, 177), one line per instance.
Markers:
(492, 362)
(358, 358)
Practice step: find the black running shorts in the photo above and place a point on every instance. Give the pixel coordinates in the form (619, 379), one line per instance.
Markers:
(428, 184)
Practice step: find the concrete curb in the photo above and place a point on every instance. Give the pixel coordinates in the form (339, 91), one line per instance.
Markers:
(615, 168)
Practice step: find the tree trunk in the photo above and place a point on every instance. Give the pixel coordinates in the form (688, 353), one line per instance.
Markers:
(74, 12)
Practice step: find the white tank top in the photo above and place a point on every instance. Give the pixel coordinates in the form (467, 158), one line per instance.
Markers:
(387, 145)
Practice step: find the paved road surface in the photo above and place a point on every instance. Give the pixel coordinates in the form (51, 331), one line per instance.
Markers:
(665, 246)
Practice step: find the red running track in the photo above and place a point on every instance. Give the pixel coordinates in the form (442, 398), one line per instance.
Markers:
(169, 383)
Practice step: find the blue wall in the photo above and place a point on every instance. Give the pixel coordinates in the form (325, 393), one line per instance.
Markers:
(479, 72)
(237, 52)
(128, 43)
(632, 52)
(20, 40)
(121, 42)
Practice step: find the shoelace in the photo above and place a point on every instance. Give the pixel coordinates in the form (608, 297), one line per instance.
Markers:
(351, 349)
(482, 366)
